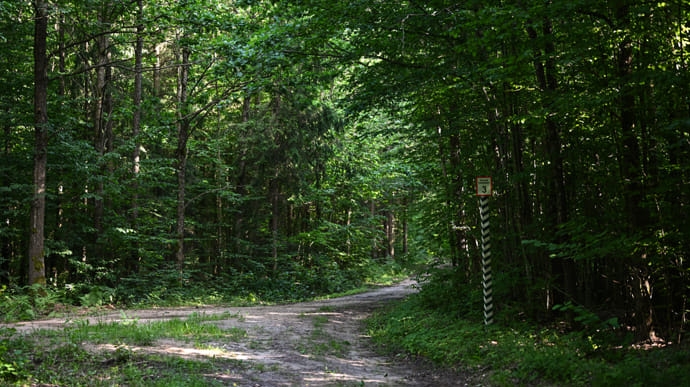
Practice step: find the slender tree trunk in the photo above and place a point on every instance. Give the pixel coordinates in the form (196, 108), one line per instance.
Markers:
(523, 215)
(7, 129)
(450, 194)
(220, 249)
(639, 280)
(136, 125)
(374, 243)
(348, 241)
(239, 224)
(457, 191)
(275, 213)
(557, 213)
(390, 234)
(36, 253)
(59, 264)
(6, 250)
(157, 71)
(102, 122)
(62, 54)
(405, 226)
(182, 137)
(136, 118)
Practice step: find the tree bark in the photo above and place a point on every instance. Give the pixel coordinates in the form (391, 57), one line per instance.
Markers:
(102, 121)
(136, 124)
(36, 253)
(274, 193)
(390, 234)
(182, 137)
(639, 279)
(557, 213)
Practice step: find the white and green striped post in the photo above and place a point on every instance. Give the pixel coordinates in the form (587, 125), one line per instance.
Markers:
(484, 191)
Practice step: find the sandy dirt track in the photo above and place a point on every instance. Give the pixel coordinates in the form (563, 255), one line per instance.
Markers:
(319, 343)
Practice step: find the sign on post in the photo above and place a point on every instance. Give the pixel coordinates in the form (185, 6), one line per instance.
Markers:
(484, 186)
(484, 190)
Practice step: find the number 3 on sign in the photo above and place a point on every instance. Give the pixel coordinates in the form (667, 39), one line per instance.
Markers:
(484, 186)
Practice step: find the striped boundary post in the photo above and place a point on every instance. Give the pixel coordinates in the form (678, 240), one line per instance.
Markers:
(487, 277)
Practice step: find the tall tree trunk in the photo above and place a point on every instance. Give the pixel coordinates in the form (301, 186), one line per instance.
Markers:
(523, 216)
(447, 148)
(374, 239)
(557, 208)
(62, 54)
(460, 249)
(102, 122)
(639, 280)
(239, 229)
(220, 247)
(6, 250)
(7, 131)
(182, 137)
(157, 70)
(390, 234)
(405, 226)
(59, 264)
(274, 193)
(36, 253)
(136, 124)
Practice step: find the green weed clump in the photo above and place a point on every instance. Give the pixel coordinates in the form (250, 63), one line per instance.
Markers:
(26, 303)
(13, 356)
(513, 352)
(75, 356)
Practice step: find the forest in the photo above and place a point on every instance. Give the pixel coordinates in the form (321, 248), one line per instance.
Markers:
(160, 149)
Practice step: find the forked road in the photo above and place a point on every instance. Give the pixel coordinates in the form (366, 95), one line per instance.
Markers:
(319, 343)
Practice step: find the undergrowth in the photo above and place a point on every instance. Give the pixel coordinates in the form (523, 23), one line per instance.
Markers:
(451, 333)
(169, 288)
(61, 357)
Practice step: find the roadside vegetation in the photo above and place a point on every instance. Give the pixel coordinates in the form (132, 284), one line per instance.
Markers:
(120, 353)
(164, 153)
(34, 302)
(101, 354)
(516, 351)
(430, 325)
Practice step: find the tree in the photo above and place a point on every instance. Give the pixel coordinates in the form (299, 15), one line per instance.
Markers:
(137, 106)
(274, 141)
(36, 254)
(530, 95)
(183, 133)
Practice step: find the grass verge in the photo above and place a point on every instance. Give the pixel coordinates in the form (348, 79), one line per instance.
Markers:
(518, 354)
(77, 356)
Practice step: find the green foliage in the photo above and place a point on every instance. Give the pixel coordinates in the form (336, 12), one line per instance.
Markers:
(131, 331)
(14, 356)
(451, 291)
(520, 353)
(27, 303)
(588, 319)
(63, 357)
(329, 141)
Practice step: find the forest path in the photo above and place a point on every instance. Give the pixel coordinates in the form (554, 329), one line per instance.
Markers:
(317, 343)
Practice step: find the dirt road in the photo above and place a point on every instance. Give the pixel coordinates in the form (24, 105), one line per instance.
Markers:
(320, 343)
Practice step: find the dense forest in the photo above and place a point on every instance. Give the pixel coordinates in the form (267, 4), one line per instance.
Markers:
(289, 147)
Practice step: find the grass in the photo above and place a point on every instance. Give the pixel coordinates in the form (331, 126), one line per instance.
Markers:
(78, 355)
(73, 356)
(513, 353)
(319, 343)
(115, 353)
(166, 290)
(131, 331)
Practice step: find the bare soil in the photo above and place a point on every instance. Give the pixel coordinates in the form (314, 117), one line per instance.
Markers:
(319, 343)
